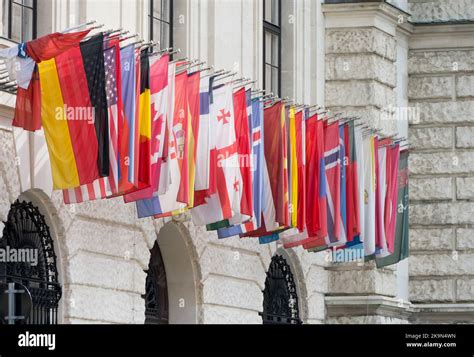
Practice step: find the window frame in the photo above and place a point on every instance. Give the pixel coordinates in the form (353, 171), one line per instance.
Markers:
(153, 18)
(275, 30)
(33, 8)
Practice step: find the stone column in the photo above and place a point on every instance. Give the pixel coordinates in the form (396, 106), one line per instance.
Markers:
(362, 41)
(441, 86)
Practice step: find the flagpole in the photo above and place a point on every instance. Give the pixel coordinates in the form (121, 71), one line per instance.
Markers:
(78, 26)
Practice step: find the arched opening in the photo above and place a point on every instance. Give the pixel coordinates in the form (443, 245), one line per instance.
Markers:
(280, 298)
(27, 235)
(171, 292)
(156, 295)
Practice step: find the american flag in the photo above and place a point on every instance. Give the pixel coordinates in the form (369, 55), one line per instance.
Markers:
(105, 186)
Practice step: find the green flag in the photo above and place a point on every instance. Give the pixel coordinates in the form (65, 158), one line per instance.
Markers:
(401, 233)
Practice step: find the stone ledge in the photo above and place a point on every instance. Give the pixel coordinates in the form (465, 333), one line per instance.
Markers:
(436, 36)
(337, 306)
(380, 15)
(443, 313)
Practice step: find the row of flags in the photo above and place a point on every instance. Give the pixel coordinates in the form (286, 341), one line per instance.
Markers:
(123, 121)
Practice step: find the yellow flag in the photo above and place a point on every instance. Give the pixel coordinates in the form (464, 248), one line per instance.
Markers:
(56, 130)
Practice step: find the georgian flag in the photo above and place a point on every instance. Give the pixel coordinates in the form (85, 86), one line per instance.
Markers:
(225, 202)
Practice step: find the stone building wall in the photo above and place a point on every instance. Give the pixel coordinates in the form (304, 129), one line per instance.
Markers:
(103, 251)
(357, 55)
(362, 79)
(441, 86)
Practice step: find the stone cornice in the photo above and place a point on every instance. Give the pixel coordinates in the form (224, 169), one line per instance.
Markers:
(348, 306)
(442, 36)
(374, 14)
(443, 313)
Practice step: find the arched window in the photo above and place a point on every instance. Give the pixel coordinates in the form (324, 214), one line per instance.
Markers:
(27, 233)
(280, 300)
(156, 295)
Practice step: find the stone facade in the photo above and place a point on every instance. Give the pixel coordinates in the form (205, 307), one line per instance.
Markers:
(363, 59)
(442, 162)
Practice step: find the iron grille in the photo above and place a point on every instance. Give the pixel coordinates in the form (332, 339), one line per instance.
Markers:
(26, 228)
(280, 299)
(156, 293)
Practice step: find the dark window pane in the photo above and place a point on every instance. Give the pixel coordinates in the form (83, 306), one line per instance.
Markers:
(275, 12)
(27, 24)
(271, 11)
(165, 5)
(275, 50)
(157, 9)
(157, 31)
(25, 2)
(268, 10)
(268, 77)
(165, 35)
(275, 77)
(22, 20)
(268, 47)
(6, 10)
(16, 23)
(161, 22)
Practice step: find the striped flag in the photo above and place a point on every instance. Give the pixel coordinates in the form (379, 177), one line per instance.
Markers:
(165, 204)
(126, 134)
(194, 114)
(332, 159)
(400, 244)
(274, 170)
(159, 99)
(104, 186)
(201, 183)
(369, 195)
(92, 51)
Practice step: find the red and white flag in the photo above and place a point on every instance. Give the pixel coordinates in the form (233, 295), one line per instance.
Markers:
(226, 201)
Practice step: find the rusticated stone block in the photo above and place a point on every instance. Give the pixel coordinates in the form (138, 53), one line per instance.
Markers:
(465, 137)
(431, 138)
(235, 293)
(464, 238)
(445, 112)
(441, 163)
(425, 62)
(432, 290)
(103, 305)
(442, 213)
(361, 40)
(439, 10)
(8, 165)
(431, 239)
(362, 282)
(455, 263)
(465, 86)
(358, 93)
(430, 87)
(465, 289)
(361, 66)
(105, 272)
(433, 188)
(225, 315)
(465, 187)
